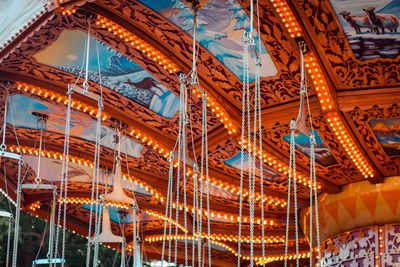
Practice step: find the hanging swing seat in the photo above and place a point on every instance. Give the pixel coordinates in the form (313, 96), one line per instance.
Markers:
(5, 214)
(39, 186)
(10, 155)
(47, 261)
(106, 235)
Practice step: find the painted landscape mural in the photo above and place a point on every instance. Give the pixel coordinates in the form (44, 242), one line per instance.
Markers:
(269, 174)
(388, 134)
(322, 154)
(371, 26)
(82, 125)
(118, 72)
(220, 30)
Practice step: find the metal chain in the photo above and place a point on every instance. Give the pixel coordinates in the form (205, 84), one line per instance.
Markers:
(62, 204)
(98, 222)
(95, 174)
(261, 156)
(194, 214)
(295, 198)
(3, 145)
(244, 94)
(204, 176)
(316, 214)
(17, 215)
(289, 191)
(312, 156)
(50, 252)
(169, 196)
(10, 221)
(178, 173)
(207, 189)
(184, 174)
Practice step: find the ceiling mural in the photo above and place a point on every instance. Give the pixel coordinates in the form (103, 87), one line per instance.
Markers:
(352, 70)
(220, 30)
(82, 125)
(371, 26)
(388, 134)
(322, 154)
(51, 170)
(269, 174)
(118, 73)
(22, 10)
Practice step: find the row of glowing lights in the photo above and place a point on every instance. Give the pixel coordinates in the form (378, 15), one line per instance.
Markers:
(225, 216)
(137, 43)
(349, 146)
(225, 238)
(83, 162)
(232, 189)
(287, 17)
(215, 215)
(47, 94)
(320, 84)
(280, 166)
(150, 142)
(326, 101)
(219, 112)
(83, 200)
(68, 11)
(214, 238)
(259, 260)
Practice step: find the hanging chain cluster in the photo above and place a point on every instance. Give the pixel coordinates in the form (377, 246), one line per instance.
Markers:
(300, 125)
(252, 135)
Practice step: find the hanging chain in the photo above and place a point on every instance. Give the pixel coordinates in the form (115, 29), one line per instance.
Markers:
(296, 225)
(261, 156)
(10, 221)
(182, 118)
(17, 215)
(244, 101)
(184, 174)
(64, 174)
(85, 84)
(289, 188)
(95, 177)
(50, 254)
(3, 145)
(194, 214)
(168, 203)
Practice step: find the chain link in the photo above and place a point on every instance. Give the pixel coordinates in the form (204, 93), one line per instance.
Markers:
(64, 174)
(168, 203)
(17, 215)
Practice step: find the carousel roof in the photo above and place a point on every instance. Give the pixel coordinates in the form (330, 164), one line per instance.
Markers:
(354, 81)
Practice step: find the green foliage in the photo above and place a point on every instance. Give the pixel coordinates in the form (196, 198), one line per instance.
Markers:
(32, 230)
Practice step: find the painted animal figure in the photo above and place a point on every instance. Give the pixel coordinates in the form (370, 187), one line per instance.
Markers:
(382, 21)
(358, 22)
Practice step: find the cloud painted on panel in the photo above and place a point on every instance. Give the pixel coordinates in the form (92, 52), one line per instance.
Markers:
(220, 29)
(118, 72)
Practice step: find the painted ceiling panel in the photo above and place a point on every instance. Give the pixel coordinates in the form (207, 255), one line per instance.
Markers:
(50, 171)
(82, 125)
(322, 154)
(388, 134)
(117, 71)
(269, 174)
(367, 43)
(220, 30)
(15, 14)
